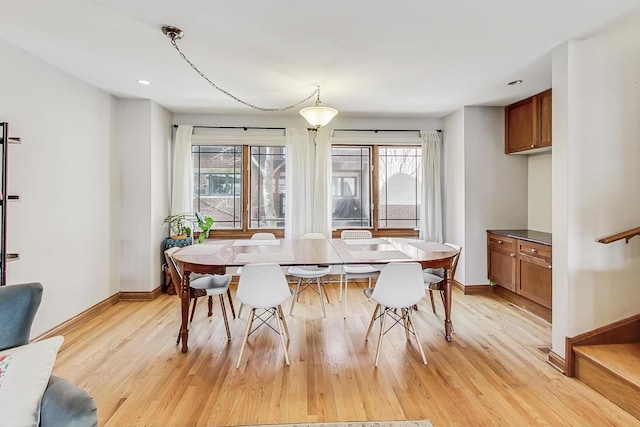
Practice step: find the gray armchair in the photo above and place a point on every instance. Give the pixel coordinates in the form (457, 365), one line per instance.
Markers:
(63, 403)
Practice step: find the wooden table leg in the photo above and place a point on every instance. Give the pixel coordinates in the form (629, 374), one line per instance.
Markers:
(447, 304)
(184, 296)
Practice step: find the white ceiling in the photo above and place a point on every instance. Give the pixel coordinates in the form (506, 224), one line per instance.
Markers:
(409, 58)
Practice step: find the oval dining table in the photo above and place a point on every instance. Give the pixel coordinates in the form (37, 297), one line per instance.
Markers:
(215, 256)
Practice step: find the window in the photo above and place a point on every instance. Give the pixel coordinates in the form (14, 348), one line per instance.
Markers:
(351, 187)
(268, 185)
(396, 197)
(399, 187)
(220, 184)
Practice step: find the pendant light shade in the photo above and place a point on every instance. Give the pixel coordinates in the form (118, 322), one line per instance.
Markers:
(319, 114)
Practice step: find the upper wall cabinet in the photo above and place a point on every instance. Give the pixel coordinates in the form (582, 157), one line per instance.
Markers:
(528, 124)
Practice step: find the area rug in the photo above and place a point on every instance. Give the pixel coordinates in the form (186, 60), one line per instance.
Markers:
(415, 423)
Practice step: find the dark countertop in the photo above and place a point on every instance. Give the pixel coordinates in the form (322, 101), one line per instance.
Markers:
(529, 235)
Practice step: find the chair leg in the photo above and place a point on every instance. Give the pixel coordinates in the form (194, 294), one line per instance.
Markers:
(233, 311)
(240, 311)
(284, 322)
(415, 332)
(346, 289)
(373, 319)
(210, 306)
(224, 316)
(340, 296)
(433, 306)
(246, 335)
(284, 345)
(324, 289)
(324, 314)
(404, 312)
(295, 296)
(384, 317)
(193, 310)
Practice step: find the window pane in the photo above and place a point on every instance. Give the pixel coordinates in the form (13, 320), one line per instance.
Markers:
(267, 187)
(399, 187)
(218, 184)
(351, 186)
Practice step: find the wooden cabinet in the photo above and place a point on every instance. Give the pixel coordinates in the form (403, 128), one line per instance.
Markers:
(501, 261)
(521, 266)
(533, 272)
(528, 124)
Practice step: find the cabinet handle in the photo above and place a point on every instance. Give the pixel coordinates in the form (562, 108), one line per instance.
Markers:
(499, 242)
(512, 255)
(534, 250)
(532, 145)
(549, 266)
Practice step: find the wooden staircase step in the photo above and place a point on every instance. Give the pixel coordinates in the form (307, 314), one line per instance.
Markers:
(613, 370)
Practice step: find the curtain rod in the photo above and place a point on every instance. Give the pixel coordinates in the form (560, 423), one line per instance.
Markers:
(381, 130)
(340, 130)
(234, 127)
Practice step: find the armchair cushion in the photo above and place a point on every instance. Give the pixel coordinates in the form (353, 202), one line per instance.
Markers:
(24, 375)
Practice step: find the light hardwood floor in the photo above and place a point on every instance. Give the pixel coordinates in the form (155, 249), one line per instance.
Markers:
(493, 373)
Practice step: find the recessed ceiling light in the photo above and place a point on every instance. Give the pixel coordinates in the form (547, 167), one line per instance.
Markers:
(515, 82)
(144, 82)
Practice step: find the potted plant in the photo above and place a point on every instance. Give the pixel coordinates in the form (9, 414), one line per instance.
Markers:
(204, 223)
(181, 226)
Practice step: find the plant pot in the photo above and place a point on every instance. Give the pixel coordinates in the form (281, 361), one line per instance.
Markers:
(170, 242)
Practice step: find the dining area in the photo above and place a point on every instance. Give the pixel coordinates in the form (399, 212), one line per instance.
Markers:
(394, 276)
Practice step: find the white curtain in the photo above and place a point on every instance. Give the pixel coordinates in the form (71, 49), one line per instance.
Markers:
(322, 184)
(299, 183)
(182, 178)
(431, 211)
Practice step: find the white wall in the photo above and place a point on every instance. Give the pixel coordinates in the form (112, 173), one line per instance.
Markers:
(65, 226)
(484, 188)
(495, 187)
(453, 179)
(145, 135)
(602, 178)
(539, 191)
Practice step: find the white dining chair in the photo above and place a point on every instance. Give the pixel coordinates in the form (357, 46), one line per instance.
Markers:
(264, 287)
(255, 236)
(434, 277)
(355, 271)
(208, 284)
(399, 287)
(263, 236)
(308, 275)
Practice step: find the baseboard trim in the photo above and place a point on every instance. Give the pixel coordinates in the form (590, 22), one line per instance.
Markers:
(80, 319)
(473, 289)
(93, 311)
(557, 362)
(141, 296)
(523, 303)
(620, 332)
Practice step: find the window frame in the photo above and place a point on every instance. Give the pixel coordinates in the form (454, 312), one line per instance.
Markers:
(375, 195)
(245, 231)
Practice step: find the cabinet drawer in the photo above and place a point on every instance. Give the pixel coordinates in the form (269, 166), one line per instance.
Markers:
(535, 250)
(506, 243)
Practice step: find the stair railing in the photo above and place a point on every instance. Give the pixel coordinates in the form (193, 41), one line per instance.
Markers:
(627, 235)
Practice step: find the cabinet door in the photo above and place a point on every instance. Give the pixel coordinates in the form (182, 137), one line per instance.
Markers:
(521, 126)
(534, 279)
(544, 112)
(502, 268)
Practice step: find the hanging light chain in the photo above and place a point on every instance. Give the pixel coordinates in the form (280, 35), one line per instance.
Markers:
(248, 104)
